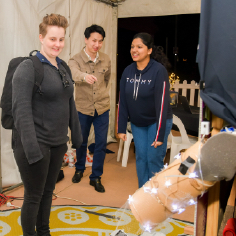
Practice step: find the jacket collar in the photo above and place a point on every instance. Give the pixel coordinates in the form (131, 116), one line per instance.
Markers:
(96, 58)
(86, 59)
(43, 59)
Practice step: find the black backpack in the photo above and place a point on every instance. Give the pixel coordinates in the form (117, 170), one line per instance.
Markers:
(6, 100)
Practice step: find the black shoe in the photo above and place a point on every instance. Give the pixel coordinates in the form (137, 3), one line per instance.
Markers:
(97, 185)
(77, 176)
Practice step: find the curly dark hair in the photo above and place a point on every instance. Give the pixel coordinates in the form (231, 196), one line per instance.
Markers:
(157, 51)
(159, 55)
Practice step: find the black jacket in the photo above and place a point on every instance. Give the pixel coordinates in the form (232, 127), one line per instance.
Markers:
(43, 118)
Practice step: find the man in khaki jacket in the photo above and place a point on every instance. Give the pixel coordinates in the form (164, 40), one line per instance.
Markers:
(91, 71)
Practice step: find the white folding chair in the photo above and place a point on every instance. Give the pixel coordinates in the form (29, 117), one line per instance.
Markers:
(169, 140)
(180, 142)
(126, 147)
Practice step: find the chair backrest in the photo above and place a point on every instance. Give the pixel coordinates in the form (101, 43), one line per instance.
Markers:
(180, 125)
(169, 140)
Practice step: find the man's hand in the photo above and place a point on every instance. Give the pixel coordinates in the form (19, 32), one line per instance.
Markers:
(156, 143)
(122, 136)
(90, 79)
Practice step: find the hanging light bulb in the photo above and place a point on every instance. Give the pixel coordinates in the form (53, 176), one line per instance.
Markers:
(181, 210)
(174, 207)
(154, 190)
(193, 175)
(168, 183)
(177, 156)
(147, 227)
(191, 202)
(130, 199)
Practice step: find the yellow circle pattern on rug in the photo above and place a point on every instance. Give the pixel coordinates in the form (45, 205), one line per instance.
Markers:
(89, 221)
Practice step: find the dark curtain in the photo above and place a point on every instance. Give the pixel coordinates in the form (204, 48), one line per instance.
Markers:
(216, 57)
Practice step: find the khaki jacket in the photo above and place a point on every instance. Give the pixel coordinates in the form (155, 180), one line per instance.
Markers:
(89, 97)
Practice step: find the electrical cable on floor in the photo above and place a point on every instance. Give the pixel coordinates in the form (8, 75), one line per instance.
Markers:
(56, 196)
(12, 187)
(8, 199)
(11, 205)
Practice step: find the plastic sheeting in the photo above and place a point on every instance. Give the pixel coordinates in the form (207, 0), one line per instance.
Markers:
(137, 8)
(216, 58)
(19, 21)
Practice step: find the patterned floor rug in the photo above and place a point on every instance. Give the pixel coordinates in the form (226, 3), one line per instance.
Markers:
(89, 221)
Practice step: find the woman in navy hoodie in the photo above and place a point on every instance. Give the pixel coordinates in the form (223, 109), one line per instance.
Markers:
(145, 101)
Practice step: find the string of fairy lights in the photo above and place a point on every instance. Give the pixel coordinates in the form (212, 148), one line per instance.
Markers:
(176, 205)
(164, 188)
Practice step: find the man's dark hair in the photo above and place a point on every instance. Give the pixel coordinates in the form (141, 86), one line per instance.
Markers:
(92, 29)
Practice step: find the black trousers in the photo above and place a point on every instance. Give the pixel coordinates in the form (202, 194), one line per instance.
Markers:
(39, 181)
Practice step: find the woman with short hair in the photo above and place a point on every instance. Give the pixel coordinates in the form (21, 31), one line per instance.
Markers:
(41, 125)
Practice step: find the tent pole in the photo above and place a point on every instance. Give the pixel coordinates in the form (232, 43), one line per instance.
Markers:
(175, 48)
(214, 192)
(0, 160)
(113, 72)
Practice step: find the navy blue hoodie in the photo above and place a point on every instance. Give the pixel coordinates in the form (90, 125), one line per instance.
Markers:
(145, 98)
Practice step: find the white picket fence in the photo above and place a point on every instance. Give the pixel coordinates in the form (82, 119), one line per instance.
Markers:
(193, 87)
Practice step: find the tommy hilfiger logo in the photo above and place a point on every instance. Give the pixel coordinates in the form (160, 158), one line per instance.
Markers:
(142, 81)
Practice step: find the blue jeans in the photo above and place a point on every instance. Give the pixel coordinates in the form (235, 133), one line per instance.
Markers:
(149, 160)
(100, 124)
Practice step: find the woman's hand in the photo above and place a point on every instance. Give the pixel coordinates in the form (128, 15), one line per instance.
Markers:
(156, 143)
(122, 136)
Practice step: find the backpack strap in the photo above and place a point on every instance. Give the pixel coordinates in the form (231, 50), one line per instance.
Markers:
(67, 69)
(39, 73)
(31, 53)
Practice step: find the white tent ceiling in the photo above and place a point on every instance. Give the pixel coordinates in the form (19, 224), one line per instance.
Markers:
(139, 8)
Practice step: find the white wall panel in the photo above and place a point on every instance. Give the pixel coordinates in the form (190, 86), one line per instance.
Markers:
(139, 8)
(83, 14)
(19, 30)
